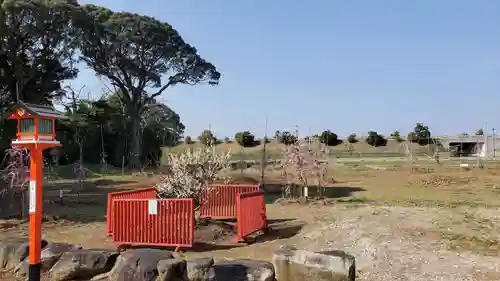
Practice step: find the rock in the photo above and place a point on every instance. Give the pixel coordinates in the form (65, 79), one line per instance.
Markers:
(82, 264)
(242, 270)
(303, 200)
(172, 270)
(49, 256)
(288, 247)
(138, 265)
(297, 265)
(100, 277)
(198, 269)
(13, 251)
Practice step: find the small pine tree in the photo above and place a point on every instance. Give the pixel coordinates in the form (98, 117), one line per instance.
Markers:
(286, 138)
(397, 136)
(207, 138)
(329, 138)
(245, 139)
(374, 139)
(188, 140)
(352, 138)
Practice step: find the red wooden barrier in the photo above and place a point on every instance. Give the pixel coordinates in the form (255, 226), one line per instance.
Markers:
(251, 212)
(143, 193)
(162, 222)
(218, 201)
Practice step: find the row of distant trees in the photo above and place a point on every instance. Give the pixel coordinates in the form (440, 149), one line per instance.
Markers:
(421, 134)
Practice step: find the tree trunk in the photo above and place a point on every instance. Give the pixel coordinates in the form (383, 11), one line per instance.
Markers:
(135, 143)
(81, 169)
(80, 146)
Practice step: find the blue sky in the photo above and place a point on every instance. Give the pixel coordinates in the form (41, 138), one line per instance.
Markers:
(347, 66)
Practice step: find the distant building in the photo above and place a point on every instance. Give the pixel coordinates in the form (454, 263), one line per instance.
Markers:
(483, 146)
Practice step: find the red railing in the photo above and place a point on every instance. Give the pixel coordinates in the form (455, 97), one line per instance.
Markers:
(219, 201)
(251, 213)
(163, 222)
(143, 193)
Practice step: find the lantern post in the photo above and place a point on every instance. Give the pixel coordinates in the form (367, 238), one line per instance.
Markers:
(35, 132)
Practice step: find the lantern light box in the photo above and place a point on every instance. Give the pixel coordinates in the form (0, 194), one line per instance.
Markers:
(35, 124)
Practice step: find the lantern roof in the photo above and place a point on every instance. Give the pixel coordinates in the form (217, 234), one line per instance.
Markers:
(38, 110)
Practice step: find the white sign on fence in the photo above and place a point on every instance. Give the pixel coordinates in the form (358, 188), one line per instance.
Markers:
(152, 207)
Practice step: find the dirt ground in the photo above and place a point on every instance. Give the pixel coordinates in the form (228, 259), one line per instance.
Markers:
(426, 223)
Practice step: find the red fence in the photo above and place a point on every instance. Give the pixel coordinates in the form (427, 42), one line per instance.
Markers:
(163, 222)
(144, 193)
(251, 213)
(219, 201)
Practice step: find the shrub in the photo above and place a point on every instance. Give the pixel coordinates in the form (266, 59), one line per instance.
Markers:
(412, 137)
(421, 134)
(245, 139)
(16, 173)
(191, 171)
(329, 138)
(397, 136)
(300, 161)
(188, 140)
(286, 138)
(352, 138)
(374, 139)
(277, 135)
(207, 138)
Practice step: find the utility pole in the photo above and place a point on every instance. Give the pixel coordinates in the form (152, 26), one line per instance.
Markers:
(210, 141)
(485, 137)
(494, 143)
(18, 95)
(263, 160)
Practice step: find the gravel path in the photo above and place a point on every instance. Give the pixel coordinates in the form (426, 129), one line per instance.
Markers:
(395, 243)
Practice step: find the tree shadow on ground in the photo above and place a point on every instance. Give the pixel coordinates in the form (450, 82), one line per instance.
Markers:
(281, 230)
(77, 205)
(275, 191)
(277, 221)
(108, 182)
(280, 233)
(198, 247)
(278, 229)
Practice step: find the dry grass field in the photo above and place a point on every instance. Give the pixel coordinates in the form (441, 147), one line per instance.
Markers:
(401, 222)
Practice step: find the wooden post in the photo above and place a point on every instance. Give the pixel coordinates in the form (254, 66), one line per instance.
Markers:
(35, 213)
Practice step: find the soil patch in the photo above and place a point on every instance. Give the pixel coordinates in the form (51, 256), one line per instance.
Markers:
(214, 232)
(7, 225)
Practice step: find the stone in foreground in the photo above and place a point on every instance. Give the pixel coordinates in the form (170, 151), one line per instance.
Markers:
(298, 265)
(82, 264)
(172, 270)
(138, 265)
(242, 270)
(49, 256)
(13, 251)
(199, 269)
